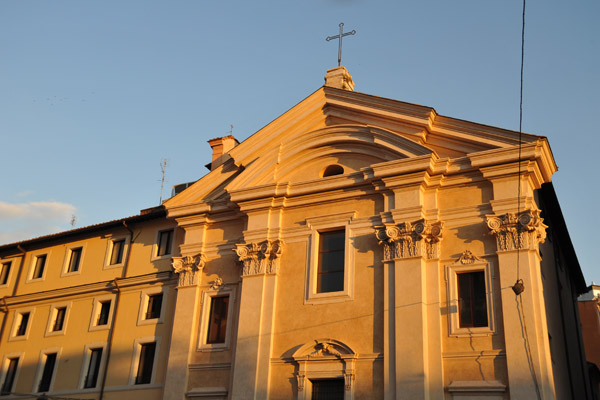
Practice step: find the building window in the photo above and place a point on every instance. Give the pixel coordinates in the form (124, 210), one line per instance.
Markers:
(165, 239)
(59, 319)
(116, 256)
(74, 259)
(470, 297)
(5, 272)
(93, 367)
(154, 306)
(104, 312)
(330, 273)
(40, 265)
(47, 372)
(217, 309)
(330, 269)
(332, 170)
(10, 375)
(101, 313)
(217, 325)
(116, 251)
(328, 389)
(472, 304)
(23, 323)
(146, 363)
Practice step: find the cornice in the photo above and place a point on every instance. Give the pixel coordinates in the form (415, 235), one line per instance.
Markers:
(105, 286)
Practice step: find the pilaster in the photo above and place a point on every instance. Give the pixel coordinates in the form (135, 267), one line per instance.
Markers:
(251, 367)
(189, 270)
(525, 327)
(411, 337)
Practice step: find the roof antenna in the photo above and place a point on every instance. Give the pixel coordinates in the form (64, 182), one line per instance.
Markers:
(231, 130)
(163, 168)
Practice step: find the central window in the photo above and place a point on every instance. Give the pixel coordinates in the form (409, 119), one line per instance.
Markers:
(472, 304)
(327, 389)
(330, 272)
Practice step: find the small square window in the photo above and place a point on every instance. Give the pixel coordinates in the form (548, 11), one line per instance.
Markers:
(74, 259)
(5, 272)
(39, 267)
(165, 239)
(154, 306)
(21, 324)
(102, 313)
(57, 319)
(116, 251)
(9, 373)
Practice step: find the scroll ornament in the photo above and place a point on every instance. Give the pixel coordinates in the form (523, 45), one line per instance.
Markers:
(524, 230)
(416, 239)
(188, 268)
(259, 258)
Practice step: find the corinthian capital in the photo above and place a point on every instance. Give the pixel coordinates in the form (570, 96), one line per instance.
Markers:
(188, 268)
(259, 258)
(524, 230)
(410, 239)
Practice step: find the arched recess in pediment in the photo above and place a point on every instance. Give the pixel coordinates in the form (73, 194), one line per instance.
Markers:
(303, 157)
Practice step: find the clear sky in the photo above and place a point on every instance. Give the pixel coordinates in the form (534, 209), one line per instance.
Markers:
(94, 94)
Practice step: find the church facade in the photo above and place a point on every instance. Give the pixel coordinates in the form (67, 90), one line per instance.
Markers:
(356, 247)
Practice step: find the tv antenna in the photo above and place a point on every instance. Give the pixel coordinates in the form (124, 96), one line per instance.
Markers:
(163, 168)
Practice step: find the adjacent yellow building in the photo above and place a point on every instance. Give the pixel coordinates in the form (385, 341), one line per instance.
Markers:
(356, 247)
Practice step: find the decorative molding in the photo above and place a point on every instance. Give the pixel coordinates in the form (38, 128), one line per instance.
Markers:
(188, 268)
(216, 284)
(300, 377)
(349, 376)
(259, 258)
(523, 231)
(410, 239)
(467, 258)
(323, 348)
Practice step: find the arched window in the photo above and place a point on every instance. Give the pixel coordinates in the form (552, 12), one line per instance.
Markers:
(333, 169)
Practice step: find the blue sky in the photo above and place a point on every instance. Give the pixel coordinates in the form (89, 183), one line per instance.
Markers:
(94, 94)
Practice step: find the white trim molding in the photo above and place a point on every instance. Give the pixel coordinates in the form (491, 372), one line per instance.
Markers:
(53, 314)
(97, 307)
(144, 303)
(32, 263)
(135, 362)
(17, 319)
(207, 296)
(110, 243)
(68, 250)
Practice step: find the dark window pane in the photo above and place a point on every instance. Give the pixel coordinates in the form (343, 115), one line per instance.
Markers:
(327, 389)
(9, 377)
(144, 373)
(104, 311)
(116, 256)
(60, 319)
(75, 259)
(472, 302)
(164, 243)
(154, 306)
(4, 272)
(217, 325)
(44, 385)
(40, 263)
(93, 368)
(23, 324)
(330, 272)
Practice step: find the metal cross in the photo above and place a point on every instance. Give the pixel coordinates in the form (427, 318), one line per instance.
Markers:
(340, 36)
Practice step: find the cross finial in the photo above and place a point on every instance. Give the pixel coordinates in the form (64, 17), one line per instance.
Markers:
(340, 36)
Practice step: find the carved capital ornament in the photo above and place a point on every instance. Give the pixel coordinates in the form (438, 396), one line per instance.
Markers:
(259, 258)
(410, 239)
(522, 231)
(188, 268)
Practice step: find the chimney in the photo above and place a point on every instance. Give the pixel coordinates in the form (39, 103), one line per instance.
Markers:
(339, 78)
(221, 146)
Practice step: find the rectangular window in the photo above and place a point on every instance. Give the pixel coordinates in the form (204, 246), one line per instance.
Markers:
(93, 369)
(9, 376)
(327, 389)
(146, 363)
(59, 319)
(164, 243)
(116, 256)
(5, 272)
(217, 324)
(104, 313)
(472, 302)
(154, 306)
(47, 373)
(23, 322)
(330, 272)
(40, 264)
(75, 259)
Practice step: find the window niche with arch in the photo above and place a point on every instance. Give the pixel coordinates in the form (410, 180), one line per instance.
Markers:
(325, 363)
